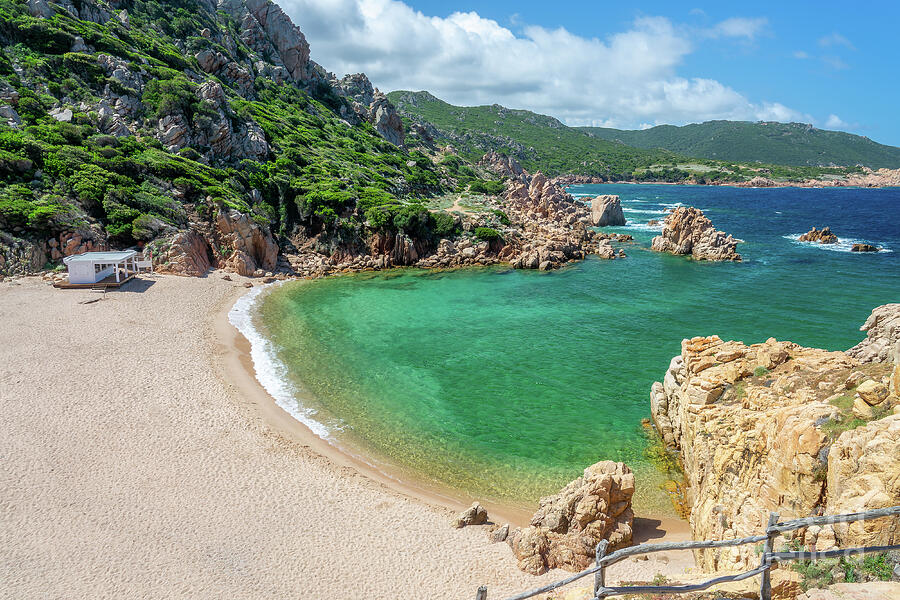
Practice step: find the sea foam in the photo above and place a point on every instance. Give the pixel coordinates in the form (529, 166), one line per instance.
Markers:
(271, 373)
(842, 245)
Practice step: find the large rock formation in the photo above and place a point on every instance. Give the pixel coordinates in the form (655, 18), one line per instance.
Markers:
(266, 29)
(567, 527)
(822, 237)
(607, 210)
(882, 334)
(370, 105)
(234, 242)
(864, 474)
(769, 427)
(501, 164)
(555, 225)
(687, 231)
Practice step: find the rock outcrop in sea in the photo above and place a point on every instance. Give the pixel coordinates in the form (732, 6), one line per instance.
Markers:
(687, 231)
(823, 236)
(606, 211)
(567, 527)
(864, 248)
(775, 427)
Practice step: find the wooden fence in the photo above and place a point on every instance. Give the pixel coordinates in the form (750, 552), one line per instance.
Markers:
(767, 558)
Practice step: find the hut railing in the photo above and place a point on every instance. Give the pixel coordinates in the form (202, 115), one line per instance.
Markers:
(768, 558)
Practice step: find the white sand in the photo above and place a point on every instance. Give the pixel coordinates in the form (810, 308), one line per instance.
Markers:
(137, 461)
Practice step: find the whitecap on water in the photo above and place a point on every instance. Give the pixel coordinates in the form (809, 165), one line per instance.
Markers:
(842, 245)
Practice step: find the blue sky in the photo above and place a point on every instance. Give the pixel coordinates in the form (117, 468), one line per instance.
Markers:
(627, 65)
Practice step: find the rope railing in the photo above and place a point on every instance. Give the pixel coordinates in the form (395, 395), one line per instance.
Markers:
(767, 558)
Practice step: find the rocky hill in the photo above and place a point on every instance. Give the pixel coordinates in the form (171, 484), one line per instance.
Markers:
(783, 428)
(199, 131)
(764, 142)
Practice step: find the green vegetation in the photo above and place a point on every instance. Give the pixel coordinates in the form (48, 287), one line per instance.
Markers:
(846, 420)
(760, 371)
(822, 573)
(487, 234)
(794, 144)
(491, 188)
(542, 143)
(320, 174)
(539, 142)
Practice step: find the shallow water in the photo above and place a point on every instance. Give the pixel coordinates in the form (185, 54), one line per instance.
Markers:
(505, 384)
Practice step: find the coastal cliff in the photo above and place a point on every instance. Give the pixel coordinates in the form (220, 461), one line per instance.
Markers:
(779, 427)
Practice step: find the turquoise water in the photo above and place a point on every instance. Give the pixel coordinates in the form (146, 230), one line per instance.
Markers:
(504, 385)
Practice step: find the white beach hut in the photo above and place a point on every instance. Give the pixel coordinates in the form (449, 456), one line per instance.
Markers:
(113, 268)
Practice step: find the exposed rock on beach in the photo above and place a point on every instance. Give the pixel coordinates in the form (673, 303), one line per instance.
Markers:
(565, 530)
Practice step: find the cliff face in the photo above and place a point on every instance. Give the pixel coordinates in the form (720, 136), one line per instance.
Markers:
(771, 427)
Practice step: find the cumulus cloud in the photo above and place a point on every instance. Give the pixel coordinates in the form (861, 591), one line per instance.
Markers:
(624, 80)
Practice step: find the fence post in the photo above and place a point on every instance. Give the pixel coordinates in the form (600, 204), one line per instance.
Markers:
(600, 576)
(765, 588)
(481, 594)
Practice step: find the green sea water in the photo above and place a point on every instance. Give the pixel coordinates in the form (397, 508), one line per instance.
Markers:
(504, 385)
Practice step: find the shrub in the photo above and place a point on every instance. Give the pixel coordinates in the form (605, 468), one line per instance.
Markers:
(504, 218)
(487, 234)
(760, 371)
(491, 188)
(443, 224)
(167, 96)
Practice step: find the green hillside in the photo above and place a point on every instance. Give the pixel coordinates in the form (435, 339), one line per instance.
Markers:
(542, 143)
(114, 124)
(780, 143)
(538, 142)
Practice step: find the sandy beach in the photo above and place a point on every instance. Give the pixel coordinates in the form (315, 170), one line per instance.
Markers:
(140, 459)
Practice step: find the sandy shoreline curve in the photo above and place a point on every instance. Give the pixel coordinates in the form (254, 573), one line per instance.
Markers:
(139, 458)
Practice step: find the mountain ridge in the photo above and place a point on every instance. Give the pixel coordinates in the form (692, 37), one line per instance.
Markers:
(799, 144)
(621, 152)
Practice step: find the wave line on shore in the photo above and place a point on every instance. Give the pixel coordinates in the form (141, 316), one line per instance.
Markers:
(270, 372)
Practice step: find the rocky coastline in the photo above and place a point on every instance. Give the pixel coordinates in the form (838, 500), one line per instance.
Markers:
(782, 428)
(533, 224)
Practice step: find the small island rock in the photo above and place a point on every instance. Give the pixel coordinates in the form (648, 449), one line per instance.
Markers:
(864, 248)
(823, 236)
(688, 231)
(607, 210)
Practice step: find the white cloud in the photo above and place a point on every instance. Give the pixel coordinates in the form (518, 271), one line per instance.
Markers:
(836, 39)
(801, 55)
(624, 80)
(738, 27)
(835, 63)
(835, 122)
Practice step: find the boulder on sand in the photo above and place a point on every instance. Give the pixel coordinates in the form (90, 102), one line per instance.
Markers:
(567, 527)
